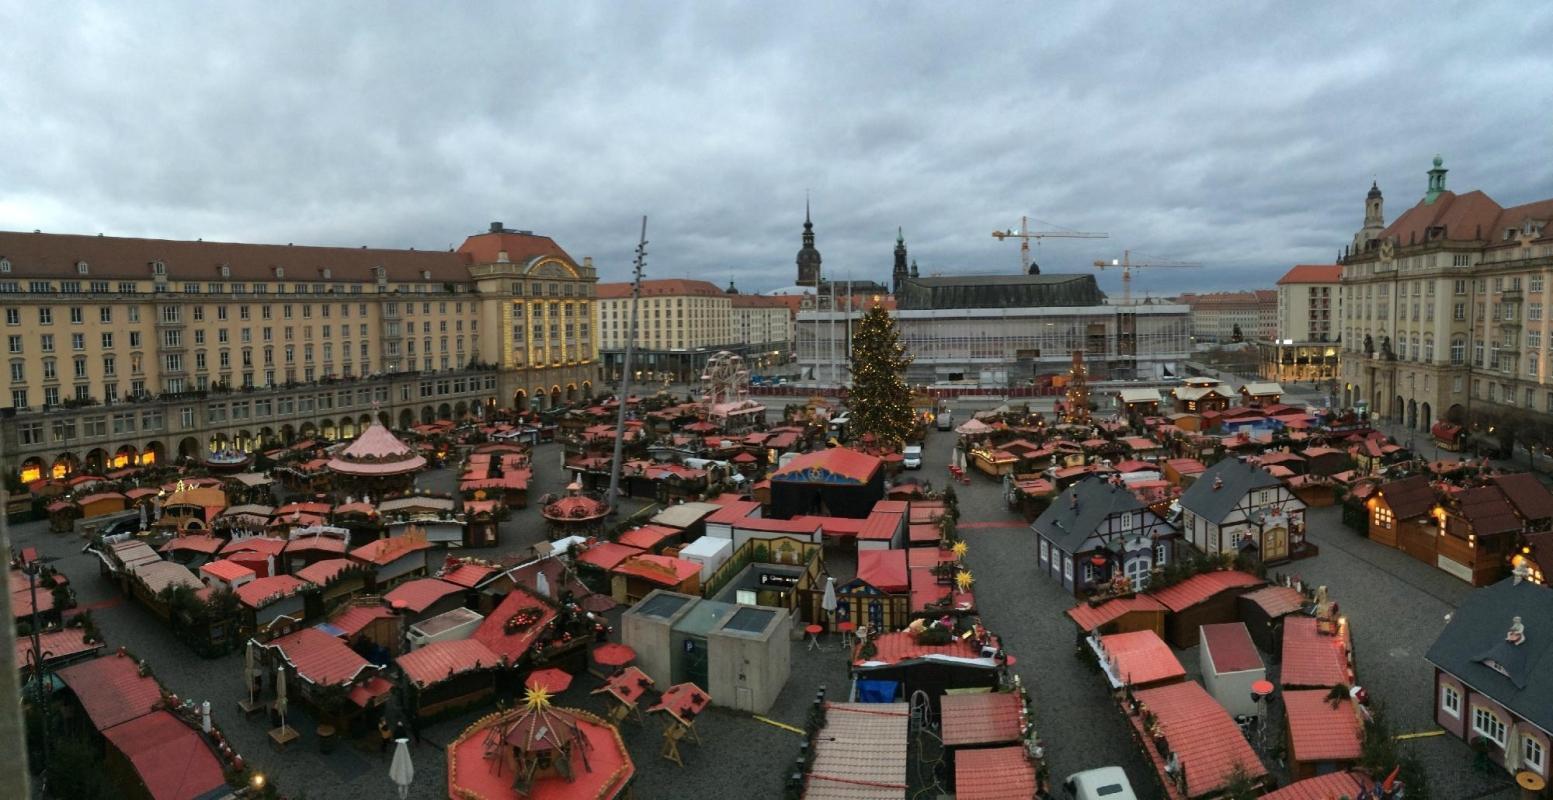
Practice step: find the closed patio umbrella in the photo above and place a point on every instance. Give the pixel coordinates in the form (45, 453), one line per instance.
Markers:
(401, 771)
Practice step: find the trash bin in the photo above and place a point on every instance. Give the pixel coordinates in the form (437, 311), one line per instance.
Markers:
(326, 738)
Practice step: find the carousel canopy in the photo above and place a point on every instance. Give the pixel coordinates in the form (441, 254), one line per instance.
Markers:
(376, 453)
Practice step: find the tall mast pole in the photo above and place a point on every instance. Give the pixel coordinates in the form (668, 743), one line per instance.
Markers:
(625, 369)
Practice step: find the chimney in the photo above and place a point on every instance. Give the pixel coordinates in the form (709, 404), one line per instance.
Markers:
(496, 227)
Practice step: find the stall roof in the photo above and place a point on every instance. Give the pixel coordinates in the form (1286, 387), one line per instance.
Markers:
(836, 465)
(1531, 499)
(267, 545)
(111, 689)
(835, 527)
(353, 619)
(861, 753)
(171, 758)
(1229, 644)
(662, 570)
(1091, 617)
(1320, 730)
(226, 570)
(256, 593)
(1276, 601)
(607, 555)
(324, 571)
(57, 645)
(684, 515)
(897, 647)
(513, 646)
(468, 575)
(382, 552)
(770, 525)
(319, 658)
(993, 773)
(1312, 658)
(1141, 657)
(985, 718)
(880, 526)
(732, 512)
(884, 570)
(440, 661)
(194, 543)
(1204, 737)
(421, 593)
(1330, 786)
(1201, 587)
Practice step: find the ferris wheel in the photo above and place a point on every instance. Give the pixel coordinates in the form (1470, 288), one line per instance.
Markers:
(725, 379)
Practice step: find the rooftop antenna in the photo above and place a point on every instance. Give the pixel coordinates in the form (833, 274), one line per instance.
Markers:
(625, 368)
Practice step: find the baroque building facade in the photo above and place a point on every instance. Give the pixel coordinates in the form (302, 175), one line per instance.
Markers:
(1445, 309)
(125, 351)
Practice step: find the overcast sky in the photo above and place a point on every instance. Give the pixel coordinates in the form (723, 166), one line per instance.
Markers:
(1244, 139)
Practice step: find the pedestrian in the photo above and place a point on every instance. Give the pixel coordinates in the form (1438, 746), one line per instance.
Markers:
(384, 733)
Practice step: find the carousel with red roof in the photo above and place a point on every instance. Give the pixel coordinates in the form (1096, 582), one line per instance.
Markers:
(575, 514)
(377, 462)
(539, 752)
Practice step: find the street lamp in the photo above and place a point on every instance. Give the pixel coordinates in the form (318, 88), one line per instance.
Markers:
(37, 658)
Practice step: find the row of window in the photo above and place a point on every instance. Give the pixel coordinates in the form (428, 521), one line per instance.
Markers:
(1491, 726)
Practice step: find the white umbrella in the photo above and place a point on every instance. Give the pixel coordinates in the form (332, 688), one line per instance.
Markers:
(142, 516)
(401, 771)
(205, 716)
(542, 584)
(280, 692)
(828, 602)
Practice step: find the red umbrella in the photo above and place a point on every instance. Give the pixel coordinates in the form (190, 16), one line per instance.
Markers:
(613, 654)
(551, 679)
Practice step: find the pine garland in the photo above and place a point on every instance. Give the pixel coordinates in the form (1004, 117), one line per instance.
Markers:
(879, 402)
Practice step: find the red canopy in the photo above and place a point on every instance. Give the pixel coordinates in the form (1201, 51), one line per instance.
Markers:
(613, 654)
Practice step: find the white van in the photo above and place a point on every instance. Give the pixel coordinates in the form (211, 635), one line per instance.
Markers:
(945, 420)
(911, 457)
(1102, 783)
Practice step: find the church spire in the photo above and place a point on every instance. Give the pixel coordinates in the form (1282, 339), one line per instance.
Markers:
(1436, 180)
(808, 256)
(900, 273)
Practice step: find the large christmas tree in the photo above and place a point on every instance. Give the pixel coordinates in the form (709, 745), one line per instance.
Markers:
(879, 402)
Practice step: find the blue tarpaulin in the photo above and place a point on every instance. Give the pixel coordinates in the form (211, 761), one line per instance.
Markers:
(877, 691)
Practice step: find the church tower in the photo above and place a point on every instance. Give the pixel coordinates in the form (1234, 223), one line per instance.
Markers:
(808, 257)
(1374, 220)
(1436, 181)
(900, 273)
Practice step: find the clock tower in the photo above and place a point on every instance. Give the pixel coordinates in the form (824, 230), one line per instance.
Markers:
(808, 256)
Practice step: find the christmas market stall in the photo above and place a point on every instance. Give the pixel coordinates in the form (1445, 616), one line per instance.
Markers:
(326, 674)
(927, 657)
(273, 602)
(433, 515)
(860, 750)
(336, 579)
(422, 598)
(833, 482)
(447, 676)
(395, 559)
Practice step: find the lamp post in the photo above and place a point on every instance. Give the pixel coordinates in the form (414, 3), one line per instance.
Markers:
(37, 657)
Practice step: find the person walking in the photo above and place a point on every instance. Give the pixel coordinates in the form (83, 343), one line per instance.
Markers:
(385, 733)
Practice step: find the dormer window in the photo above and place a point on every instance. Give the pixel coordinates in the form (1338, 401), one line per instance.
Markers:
(381, 273)
(81, 268)
(5, 265)
(425, 274)
(328, 273)
(158, 269)
(1509, 234)
(226, 270)
(280, 272)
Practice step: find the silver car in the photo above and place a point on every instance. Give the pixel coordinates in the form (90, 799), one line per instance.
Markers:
(1102, 783)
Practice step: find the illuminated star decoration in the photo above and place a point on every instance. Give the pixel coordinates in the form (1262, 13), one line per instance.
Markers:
(963, 580)
(959, 549)
(536, 697)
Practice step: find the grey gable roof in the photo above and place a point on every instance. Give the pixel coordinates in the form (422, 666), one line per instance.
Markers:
(1476, 634)
(1067, 527)
(1238, 477)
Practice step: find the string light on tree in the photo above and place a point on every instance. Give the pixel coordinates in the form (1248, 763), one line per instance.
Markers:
(1076, 409)
(879, 402)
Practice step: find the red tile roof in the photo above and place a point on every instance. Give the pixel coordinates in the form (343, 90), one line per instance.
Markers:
(263, 591)
(468, 575)
(513, 646)
(732, 512)
(836, 527)
(884, 570)
(898, 646)
(1204, 737)
(1313, 273)
(1091, 617)
(319, 658)
(994, 773)
(1201, 587)
(1317, 730)
(226, 570)
(880, 526)
(383, 552)
(421, 593)
(439, 661)
(265, 545)
(171, 758)
(1408, 498)
(807, 527)
(1311, 658)
(924, 533)
(317, 544)
(521, 248)
(194, 543)
(987, 718)
(1331, 786)
(1230, 646)
(1141, 658)
(1276, 601)
(607, 555)
(111, 689)
(662, 570)
(646, 537)
(325, 570)
(835, 465)
(353, 619)
(861, 753)
(57, 644)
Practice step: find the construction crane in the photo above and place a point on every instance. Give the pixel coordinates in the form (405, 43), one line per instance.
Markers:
(1024, 235)
(1127, 265)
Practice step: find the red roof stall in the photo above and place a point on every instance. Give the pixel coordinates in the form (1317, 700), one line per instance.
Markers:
(932, 668)
(1230, 664)
(861, 753)
(882, 529)
(1203, 599)
(450, 674)
(838, 481)
(111, 689)
(1120, 615)
(424, 598)
(637, 576)
(274, 600)
(1264, 610)
(1312, 657)
(1323, 736)
(395, 559)
(316, 659)
(807, 529)
(1201, 735)
(987, 718)
(171, 758)
(994, 773)
(1139, 659)
(879, 596)
(720, 522)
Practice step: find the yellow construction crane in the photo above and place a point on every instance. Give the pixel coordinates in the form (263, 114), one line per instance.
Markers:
(1127, 265)
(1024, 235)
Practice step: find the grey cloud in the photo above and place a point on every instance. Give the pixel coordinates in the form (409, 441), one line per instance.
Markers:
(1244, 139)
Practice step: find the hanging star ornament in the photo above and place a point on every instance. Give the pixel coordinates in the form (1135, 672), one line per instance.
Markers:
(536, 697)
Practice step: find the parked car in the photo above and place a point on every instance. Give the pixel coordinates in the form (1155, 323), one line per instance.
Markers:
(912, 456)
(1101, 783)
